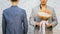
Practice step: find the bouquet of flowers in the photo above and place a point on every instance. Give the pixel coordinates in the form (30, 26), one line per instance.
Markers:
(44, 15)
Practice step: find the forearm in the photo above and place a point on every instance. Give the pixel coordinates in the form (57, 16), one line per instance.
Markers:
(54, 19)
(25, 24)
(53, 22)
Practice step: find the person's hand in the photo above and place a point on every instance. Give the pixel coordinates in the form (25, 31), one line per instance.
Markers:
(49, 24)
(38, 23)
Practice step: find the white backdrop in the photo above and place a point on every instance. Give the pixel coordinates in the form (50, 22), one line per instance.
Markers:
(28, 5)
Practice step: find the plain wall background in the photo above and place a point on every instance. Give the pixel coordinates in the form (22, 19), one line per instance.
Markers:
(28, 5)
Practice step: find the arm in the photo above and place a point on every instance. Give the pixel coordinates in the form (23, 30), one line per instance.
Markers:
(25, 23)
(3, 24)
(34, 20)
(53, 21)
(31, 19)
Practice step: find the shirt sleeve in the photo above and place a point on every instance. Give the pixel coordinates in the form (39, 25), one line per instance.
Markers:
(53, 20)
(31, 19)
(3, 23)
(25, 23)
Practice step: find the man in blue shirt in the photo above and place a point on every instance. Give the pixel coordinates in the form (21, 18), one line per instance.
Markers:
(14, 20)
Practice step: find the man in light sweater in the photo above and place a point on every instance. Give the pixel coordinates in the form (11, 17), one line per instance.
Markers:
(35, 20)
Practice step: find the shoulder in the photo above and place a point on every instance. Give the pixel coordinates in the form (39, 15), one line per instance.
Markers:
(6, 10)
(52, 9)
(36, 7)
(22, 10)
(19, 8)
(49, 7)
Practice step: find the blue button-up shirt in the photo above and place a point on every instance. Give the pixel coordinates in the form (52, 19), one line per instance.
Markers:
(14, 21)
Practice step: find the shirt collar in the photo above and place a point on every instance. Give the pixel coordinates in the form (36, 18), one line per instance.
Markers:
(14, 6)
